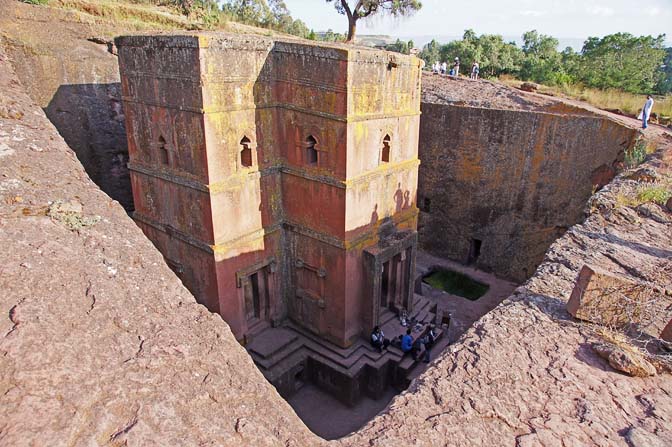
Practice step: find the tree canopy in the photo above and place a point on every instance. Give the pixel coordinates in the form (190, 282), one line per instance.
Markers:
(621, 61)
(265, 13)
(366, 8)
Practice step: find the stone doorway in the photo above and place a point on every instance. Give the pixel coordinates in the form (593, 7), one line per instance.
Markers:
(390, 267)
(255, 292)
(394, 282)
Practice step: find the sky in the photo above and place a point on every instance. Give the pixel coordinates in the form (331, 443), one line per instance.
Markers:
(558, 18)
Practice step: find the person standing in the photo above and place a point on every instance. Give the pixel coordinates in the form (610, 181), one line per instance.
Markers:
(456, 67)
(646, 111)
(474, 70)
(429, 340)
(444, 68)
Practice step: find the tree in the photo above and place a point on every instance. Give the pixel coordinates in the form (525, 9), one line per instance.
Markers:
(254, 12)
(622, 61)
(399, 46)
(664, 84)
(431, 53)
(542, 62)
(366, 8)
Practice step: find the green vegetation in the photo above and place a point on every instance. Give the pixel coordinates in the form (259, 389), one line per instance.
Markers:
(36, 2)
(636, 155)
(192, 14)
(656, 193)
(272, 14)
(614, 72)
(623, 62)
(401, 47)
(494, 56)
(456, 284)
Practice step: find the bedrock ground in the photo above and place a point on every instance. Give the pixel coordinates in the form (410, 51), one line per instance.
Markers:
(101, 344)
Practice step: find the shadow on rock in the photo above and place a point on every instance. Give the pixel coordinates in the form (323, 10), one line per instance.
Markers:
(91, 121)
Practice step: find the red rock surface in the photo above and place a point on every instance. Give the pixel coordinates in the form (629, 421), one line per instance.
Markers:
(102, 345)
(525, 374)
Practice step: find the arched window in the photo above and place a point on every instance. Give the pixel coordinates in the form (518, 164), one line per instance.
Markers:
(311, 152)
(246, 152)
(163, 150)
(385, 154)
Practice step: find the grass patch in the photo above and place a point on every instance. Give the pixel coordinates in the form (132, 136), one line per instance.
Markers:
(456, 284)
(658, 192)
(141, 15)
(628, 103)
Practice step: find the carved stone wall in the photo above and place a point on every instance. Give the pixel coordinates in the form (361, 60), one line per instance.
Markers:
(248, 151)
(497, 187)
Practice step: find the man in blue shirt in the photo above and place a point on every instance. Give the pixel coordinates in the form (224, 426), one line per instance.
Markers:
(407, 344)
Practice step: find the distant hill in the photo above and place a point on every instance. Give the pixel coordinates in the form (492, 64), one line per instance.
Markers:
(373, 40)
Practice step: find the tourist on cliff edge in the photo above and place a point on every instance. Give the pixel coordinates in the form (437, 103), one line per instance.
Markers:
(646, 111)
(474, 70)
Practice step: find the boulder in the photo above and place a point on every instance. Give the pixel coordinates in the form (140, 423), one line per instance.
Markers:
(528, 87)
(666, 335)
(627, 361)
(668, 205)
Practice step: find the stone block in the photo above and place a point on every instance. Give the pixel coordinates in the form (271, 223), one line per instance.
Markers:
(601, 298)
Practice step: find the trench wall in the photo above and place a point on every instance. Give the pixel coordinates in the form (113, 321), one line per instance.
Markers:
(515, 181)
(76, 82)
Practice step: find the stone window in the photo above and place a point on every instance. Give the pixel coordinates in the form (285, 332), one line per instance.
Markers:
(246, 152)
(311, 151)
(385, 153)
(163, 151)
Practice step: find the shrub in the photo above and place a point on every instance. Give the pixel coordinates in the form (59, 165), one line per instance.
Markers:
(636, 155)
(36, 2)
(658, 194)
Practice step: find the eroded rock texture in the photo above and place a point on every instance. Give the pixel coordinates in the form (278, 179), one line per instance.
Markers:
(101, 344)
(498, 186)
(526, 374)
(68, 70)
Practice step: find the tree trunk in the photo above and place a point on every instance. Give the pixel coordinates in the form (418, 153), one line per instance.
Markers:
(352, 28)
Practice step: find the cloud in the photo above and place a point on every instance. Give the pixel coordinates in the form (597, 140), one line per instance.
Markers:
(533, 13)
(602, 11)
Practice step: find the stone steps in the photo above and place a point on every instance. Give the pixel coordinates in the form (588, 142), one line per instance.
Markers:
(277, 350)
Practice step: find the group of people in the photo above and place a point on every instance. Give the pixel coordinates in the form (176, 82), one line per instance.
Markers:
(407, 344)
(442, 68)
